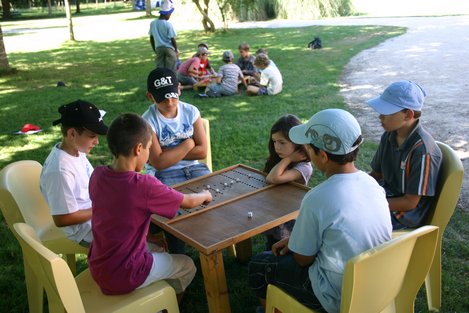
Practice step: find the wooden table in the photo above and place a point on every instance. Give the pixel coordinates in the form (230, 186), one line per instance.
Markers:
(237, 191)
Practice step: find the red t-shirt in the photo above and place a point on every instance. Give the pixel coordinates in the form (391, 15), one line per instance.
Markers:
(203, 67)
(122, 204)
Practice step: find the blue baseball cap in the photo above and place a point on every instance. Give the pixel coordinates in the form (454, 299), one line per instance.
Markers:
(333, 130)
(403, 94)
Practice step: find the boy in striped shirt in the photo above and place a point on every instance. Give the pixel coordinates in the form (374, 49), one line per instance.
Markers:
(408, 159)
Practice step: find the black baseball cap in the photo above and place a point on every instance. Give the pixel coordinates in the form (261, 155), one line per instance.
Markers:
(81, 113)
(163, 84)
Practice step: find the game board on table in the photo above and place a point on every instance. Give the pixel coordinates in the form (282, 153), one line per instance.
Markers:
(243, 204)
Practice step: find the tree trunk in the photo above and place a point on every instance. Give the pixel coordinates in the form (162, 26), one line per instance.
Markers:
(6, 9)
(222, 7)
(49, 7)
(208, 24)
(148, 8)
(68, 14)
(4, 65)
(78, 6)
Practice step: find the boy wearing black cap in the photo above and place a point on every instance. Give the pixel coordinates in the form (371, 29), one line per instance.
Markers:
(66, 171)
(339, 218)
(178, 137)
(408, 159)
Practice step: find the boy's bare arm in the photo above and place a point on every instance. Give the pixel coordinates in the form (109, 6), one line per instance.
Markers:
(173, 42)
(281, 248)
(405, 203)
(161, 159)
(194, 199)
(152, 42)
(376, 175)
(74, 218)
(199, 151)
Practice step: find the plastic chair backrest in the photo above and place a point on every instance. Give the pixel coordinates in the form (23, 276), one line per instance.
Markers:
(419, 265)
(449, 188)
(208, 158)
(21, 179)
(372, 279)
(51, 270)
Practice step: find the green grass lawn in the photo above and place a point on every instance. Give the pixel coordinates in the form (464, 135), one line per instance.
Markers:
(113, 76)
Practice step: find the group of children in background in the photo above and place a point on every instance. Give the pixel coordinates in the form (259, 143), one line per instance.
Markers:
(109, 209)
(257, 74)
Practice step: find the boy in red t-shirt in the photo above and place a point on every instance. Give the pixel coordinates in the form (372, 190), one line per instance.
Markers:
(123, 201)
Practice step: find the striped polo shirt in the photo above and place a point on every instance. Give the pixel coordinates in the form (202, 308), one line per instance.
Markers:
(411, 168)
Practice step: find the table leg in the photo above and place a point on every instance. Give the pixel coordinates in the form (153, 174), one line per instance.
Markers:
(216, 290)
(244, 250)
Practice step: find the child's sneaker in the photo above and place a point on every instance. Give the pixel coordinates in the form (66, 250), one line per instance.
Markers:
(203, 95)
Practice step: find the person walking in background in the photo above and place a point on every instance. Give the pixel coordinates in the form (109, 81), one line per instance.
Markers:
(163, 38)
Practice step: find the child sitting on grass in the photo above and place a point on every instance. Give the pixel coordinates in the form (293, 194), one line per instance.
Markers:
(123, 201)
(226, 84)
(287, 162)
(188, 71)
(246, 60)
(271, 81)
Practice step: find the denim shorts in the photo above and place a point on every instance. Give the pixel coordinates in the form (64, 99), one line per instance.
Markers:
(174, 176)
(283, 272)
(221, 89)
(185, 80)
(262, 91)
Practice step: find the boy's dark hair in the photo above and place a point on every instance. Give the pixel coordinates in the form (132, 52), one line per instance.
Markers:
(417, 114)
(262, 50)
(64, 129)
(344, 158)
(126, 131)
(244, 46)
(282, 125)
(203, 44)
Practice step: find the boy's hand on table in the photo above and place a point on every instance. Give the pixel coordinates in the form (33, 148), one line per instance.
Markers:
(209, 197)
(281, 247)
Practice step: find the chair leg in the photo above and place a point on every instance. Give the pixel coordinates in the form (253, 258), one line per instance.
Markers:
(34, 289)
(72, 262)
(433, 281)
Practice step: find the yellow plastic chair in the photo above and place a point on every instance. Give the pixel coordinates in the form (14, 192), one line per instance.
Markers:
(21, 201)
(208, 159)
(373, 280)
(448, 191)
(80, 294)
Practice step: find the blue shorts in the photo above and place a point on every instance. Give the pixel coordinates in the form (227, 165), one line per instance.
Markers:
(283, 272)
(172, 177)
(220, 89)
(262, 91)
(185, 80)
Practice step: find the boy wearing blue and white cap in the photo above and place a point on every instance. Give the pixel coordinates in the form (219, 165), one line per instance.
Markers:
(340, 218)
(408, 160)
